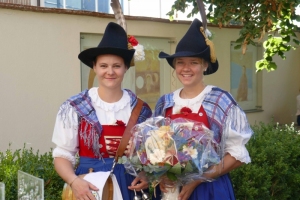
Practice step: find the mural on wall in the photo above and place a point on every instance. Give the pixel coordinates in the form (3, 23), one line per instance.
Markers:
(147, 77)
(30, 187)
(243, 78)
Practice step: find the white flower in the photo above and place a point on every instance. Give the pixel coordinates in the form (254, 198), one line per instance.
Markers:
(190, 151)
(157, 156)
(139, 54)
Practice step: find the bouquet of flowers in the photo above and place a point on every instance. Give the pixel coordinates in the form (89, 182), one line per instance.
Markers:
(182, 150)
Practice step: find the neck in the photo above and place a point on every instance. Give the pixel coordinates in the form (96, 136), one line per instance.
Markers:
(110, 95)
(191, 92)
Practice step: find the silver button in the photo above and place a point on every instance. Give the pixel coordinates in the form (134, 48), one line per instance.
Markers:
(200, 114)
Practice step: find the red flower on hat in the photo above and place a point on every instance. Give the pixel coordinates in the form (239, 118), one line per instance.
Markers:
(120, 123)
(185, 110)
(132, 40)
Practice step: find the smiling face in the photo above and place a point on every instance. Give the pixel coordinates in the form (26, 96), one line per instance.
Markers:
(189, 70)
(110, 70)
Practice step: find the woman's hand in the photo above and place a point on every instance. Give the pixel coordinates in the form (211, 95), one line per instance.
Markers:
(187, 190)
(138, 184)
(82, 189)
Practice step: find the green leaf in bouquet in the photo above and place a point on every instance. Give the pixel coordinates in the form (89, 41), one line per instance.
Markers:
(122, 160)
(135, 160)
(138, 167)
(171, 176)
(146, 168)
(188, 168)
(176, 169)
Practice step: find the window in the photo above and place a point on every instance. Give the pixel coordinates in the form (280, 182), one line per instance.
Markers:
(90, 5)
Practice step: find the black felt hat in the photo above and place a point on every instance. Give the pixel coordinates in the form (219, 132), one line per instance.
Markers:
(114, 41)
(195, 44)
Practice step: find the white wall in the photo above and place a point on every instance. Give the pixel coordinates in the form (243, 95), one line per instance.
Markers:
(39, 70)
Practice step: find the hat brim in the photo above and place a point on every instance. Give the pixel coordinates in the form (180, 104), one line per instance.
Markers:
(213, 67)
(88, 56)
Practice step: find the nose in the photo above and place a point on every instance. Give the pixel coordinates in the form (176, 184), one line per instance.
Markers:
(110, 70)
(186, 67)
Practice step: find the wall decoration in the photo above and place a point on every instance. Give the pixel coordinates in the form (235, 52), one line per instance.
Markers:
(244, 81)
(147, 80)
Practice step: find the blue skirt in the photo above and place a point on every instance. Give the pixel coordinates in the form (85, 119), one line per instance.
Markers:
(124, 179)
(219, 189)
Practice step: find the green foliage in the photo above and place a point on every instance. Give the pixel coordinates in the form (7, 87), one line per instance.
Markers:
(39, 165)
(274, 172)
(257, 17)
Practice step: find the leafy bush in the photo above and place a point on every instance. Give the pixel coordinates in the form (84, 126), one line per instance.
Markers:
(274, 172)
(39, 165)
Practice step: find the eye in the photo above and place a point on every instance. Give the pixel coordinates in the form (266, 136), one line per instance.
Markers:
(117, 66)
(103, 65)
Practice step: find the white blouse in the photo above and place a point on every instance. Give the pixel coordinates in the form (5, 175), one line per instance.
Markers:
(235, 140)
(66, 137)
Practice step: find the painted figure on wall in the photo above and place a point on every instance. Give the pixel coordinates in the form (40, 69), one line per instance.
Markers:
(242, 92)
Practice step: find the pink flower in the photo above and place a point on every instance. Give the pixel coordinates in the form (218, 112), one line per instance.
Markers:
(132, 40)
(120, 123)
(185, 110)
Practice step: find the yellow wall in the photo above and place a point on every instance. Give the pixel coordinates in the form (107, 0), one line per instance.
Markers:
(39, 69)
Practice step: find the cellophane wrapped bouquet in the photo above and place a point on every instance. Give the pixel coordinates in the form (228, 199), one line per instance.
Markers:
(181, 150)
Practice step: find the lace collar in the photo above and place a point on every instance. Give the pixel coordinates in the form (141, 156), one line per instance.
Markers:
(115, 107)
(196, 100)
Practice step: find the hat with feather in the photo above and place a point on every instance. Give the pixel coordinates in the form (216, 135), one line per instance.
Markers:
(195, 43)
(114, 41)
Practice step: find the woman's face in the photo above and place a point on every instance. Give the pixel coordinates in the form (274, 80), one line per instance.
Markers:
(110, 70)
(189, 70)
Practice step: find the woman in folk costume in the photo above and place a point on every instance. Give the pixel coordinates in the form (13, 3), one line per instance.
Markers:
(92, 122)
(216, 108)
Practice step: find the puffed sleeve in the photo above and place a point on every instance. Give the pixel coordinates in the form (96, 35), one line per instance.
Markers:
(238, 132)
(65, 134)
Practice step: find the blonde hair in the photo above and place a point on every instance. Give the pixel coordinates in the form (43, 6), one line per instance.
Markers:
(203, 62)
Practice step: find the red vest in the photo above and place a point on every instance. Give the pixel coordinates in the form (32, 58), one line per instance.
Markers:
(108, 142)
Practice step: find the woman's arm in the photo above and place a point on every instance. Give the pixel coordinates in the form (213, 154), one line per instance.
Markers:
(236, 133)
(80, 187)
(66, 139)
(225, 166)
